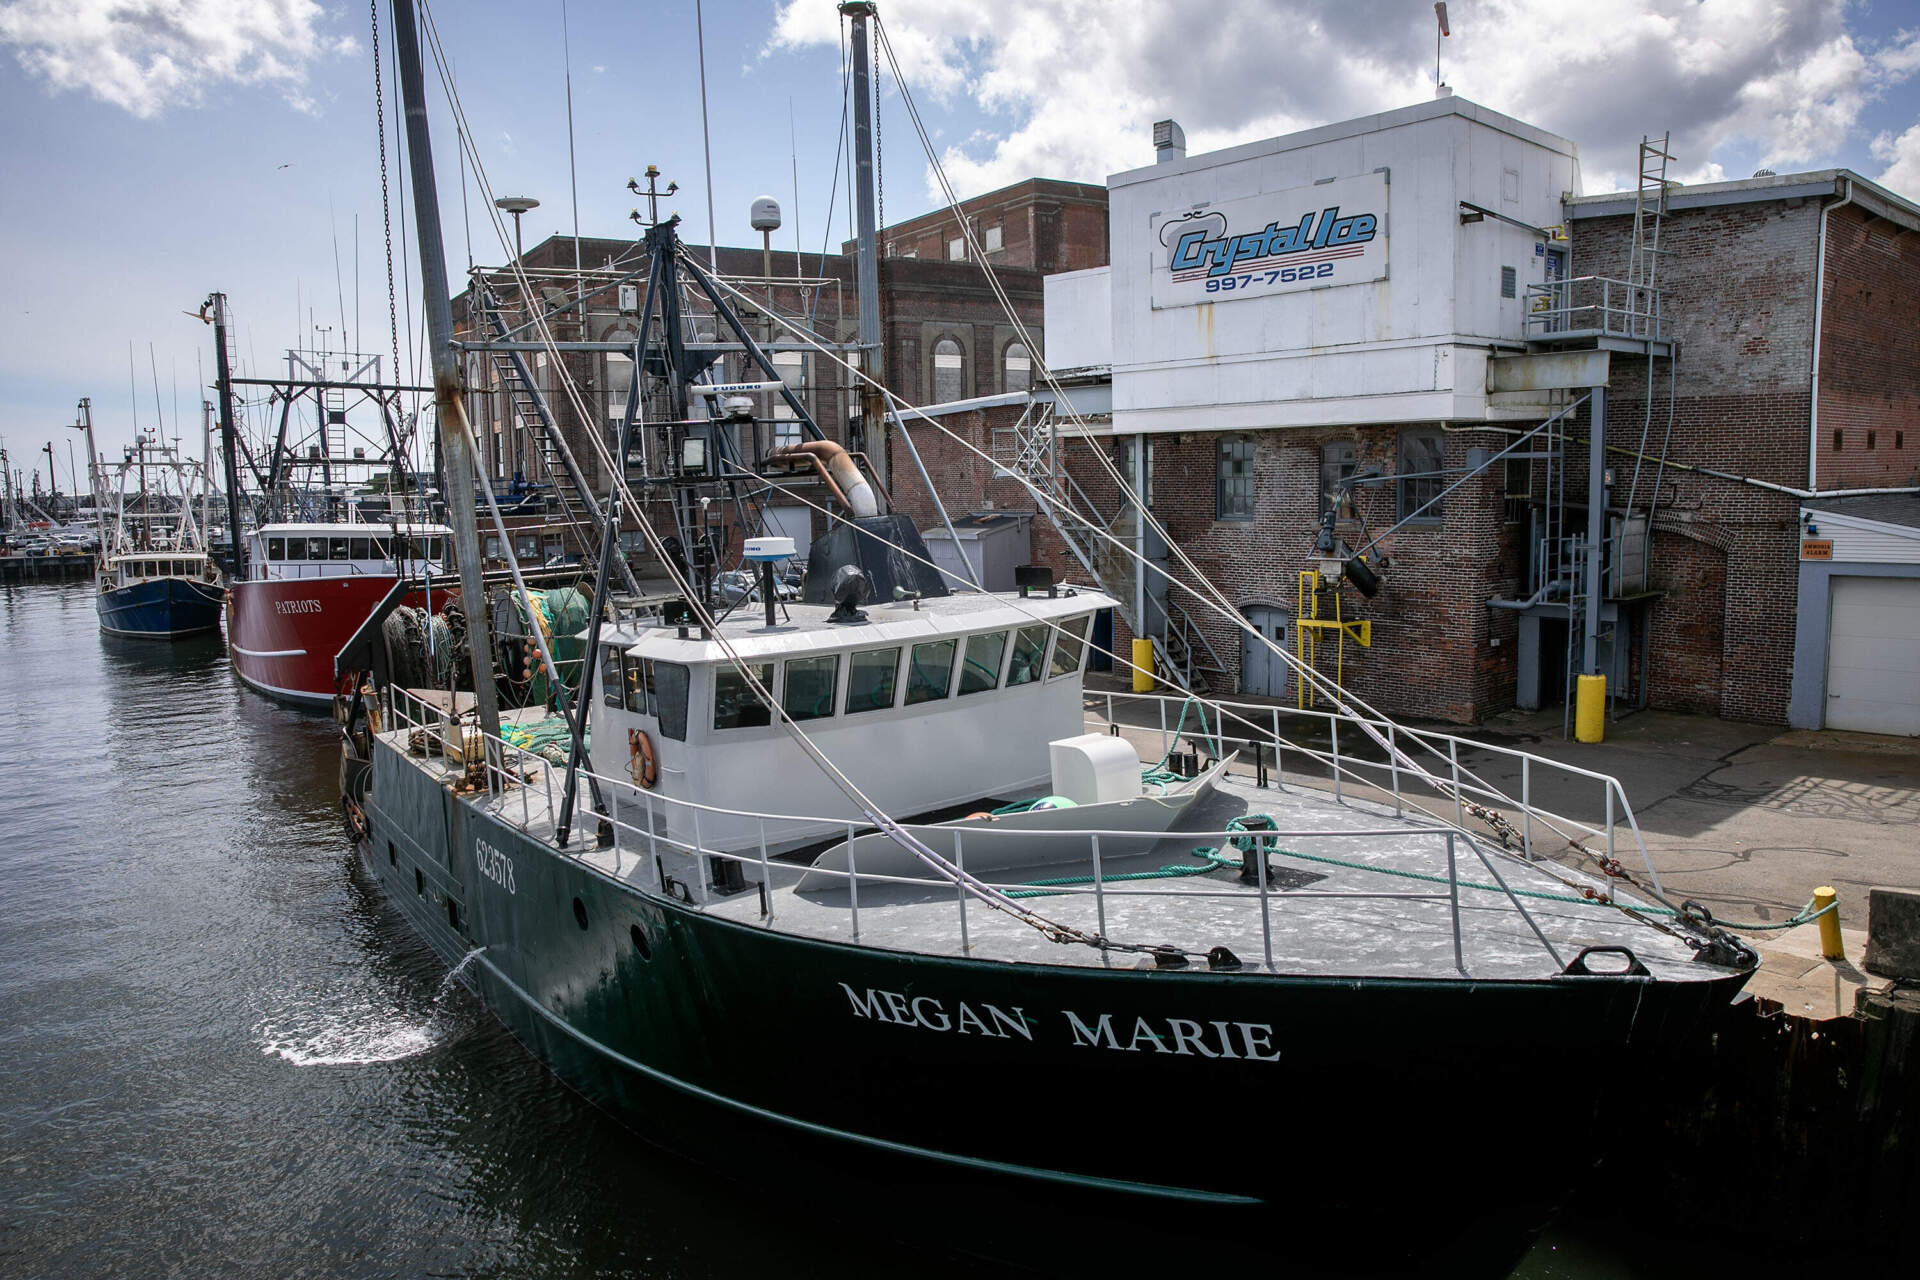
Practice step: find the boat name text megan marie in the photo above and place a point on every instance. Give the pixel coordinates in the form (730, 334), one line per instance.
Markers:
(1249, 1040)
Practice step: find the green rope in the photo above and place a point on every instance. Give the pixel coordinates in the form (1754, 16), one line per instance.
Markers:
(1174, 741)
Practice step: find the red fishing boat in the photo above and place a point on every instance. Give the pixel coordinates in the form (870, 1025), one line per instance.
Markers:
(308, 588)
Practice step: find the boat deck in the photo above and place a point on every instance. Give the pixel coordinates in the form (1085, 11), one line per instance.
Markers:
(1345, 917)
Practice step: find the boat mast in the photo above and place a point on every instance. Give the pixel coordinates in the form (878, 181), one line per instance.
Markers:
(206, 476)
(223, 380)
(94, 485)
(873, 406)
(450, 412)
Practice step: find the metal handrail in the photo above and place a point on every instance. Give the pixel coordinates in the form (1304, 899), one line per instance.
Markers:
(1447, 746)
(657, 833)
(1624, 309)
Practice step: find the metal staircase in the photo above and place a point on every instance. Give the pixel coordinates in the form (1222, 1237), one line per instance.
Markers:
(572, 503)
(1030, 449)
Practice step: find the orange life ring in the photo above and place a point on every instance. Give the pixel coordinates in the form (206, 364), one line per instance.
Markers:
(641, 760)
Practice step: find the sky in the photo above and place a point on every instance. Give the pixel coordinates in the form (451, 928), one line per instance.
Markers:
(157, 150)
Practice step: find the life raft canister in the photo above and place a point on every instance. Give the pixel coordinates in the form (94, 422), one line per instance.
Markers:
(641, 760)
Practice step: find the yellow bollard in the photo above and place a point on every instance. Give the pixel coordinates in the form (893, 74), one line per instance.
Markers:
(1143, 666)
(1590, 708)
(1830, 944)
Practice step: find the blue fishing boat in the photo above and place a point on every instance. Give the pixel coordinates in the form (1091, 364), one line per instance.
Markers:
(159, 597)
(155, 579)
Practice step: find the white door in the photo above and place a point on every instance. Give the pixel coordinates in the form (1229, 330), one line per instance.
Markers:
(1873, 655)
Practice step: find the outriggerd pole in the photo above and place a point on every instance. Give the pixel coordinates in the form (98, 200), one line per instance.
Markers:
(229, 443)
(450, 410)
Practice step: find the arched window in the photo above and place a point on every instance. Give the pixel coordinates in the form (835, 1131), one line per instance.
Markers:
(1018, 368)
(949, 372)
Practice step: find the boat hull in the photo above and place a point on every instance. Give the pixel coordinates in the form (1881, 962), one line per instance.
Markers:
(159, 609)
(283, 634)
(1409, 1108)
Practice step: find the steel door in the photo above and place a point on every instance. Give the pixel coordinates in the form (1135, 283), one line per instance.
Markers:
(1263, 673)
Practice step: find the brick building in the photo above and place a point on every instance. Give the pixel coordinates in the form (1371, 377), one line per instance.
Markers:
(1040, 224)
(945, 335)
(1778, 335)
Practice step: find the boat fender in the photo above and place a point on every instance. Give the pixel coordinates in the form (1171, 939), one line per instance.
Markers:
(982, 816)
(641, 760)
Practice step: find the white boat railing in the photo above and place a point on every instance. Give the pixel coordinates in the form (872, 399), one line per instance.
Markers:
(1258, 725)
(638, 823)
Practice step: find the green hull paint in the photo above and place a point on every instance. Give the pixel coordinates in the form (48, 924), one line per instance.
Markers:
(740, 1045)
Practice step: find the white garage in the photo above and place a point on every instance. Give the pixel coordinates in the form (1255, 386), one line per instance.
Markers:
(1873, 655)
(1856, 662)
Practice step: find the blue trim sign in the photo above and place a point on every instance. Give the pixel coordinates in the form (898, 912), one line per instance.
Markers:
(1314, 237)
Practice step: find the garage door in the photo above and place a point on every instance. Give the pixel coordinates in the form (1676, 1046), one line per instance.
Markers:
(1873, 655)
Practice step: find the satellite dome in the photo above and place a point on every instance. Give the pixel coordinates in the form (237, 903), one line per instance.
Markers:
(765, 214)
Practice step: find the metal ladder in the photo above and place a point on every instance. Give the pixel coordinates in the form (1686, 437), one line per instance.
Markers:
(1649, 211)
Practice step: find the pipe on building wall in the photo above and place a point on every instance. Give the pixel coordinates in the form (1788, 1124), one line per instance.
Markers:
(1819, 309)
(849, 485)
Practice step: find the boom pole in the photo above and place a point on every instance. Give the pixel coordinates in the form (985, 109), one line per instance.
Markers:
(450, 411)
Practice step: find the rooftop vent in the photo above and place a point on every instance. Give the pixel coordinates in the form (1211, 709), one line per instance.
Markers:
(1169, 141)
(1764, 173)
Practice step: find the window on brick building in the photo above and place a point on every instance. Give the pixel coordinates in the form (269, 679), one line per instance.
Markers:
(1518, 493)
(949, 371)
(1125, 448)
(1422, 455)
(994, 237)
(1836, 439)
(1233, 485)
(1017, 369)
(1336, 465)
(957, 249)
(1870, 441)
(617, 382)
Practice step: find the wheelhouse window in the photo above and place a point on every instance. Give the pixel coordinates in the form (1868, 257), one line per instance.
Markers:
(340, 548)
(980, 669)
(1068, 648)
(669, 681)
(1233, 485)
(808, 694)
(1029, 651)
(930, 673)
(637, 689)
(611, 678)
(362, 548)
(1422, 457)
(276, 548)
(871, 677)
(316, 548)
(735, 704)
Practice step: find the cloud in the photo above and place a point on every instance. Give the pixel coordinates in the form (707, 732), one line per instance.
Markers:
(145, 56)
(1901, 155)
(1070, 92)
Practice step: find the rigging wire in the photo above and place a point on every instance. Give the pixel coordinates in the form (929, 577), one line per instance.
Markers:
(1212, 597)
(955, 875)
(979, 889)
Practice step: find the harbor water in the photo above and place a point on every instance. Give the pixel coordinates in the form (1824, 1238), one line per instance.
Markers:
(223, 1053)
